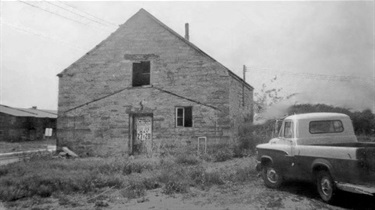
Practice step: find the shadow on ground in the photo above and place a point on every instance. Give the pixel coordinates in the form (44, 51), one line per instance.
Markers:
(344, 200)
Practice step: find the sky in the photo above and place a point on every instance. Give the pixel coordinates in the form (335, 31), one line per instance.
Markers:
(322, 51)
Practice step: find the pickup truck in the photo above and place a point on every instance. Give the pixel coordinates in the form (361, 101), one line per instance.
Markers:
(321, 148)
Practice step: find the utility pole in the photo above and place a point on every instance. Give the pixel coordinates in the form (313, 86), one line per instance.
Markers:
(243, 85)
(244, 73)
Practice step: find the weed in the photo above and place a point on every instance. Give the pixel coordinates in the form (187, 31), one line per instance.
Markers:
(175, 186)
(187, 159)
(43, 177)
(244, 174)
(200, 177)
(135, 190)
(223, 155)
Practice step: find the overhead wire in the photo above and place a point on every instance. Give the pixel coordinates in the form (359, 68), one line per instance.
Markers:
(51, 12)
(98, 18)
(65, 17)
(75, 13)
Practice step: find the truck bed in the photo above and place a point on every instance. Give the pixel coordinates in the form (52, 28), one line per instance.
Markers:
(365, 153)
(355, 144)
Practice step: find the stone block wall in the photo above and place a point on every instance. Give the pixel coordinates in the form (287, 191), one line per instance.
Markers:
(97, 100)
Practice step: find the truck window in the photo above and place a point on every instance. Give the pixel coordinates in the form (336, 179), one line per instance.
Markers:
(288, 130)
(327, 126)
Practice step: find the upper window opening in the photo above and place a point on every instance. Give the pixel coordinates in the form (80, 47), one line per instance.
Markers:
(141, 73)
(184, 117)
(327, 126)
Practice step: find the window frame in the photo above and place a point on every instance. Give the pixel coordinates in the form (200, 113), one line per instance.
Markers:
(183, 117)
(141, 74)
(283, 127)
(332, 121)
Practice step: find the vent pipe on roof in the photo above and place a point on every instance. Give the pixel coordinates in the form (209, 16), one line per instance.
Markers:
(187, 31)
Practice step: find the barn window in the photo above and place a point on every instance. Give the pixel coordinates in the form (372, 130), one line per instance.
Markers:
(141, 73)
(184, 116)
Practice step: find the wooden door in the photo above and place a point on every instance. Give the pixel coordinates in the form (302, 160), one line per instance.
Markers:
(142, 138)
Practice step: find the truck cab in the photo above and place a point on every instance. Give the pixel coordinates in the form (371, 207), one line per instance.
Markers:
(318, 145)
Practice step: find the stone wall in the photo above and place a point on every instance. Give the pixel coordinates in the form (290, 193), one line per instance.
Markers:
(97, 100)
(241, 105)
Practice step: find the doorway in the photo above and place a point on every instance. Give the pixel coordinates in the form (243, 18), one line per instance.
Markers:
(142, 134)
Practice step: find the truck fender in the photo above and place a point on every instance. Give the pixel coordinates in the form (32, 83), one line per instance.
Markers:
(323, 164)
(266, 158)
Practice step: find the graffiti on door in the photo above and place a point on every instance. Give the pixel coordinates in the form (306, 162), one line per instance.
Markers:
(144, 128)
(143, 134)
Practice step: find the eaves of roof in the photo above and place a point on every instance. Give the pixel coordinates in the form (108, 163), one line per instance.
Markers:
(20, 112)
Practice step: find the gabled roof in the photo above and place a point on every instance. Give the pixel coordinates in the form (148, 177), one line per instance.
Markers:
(144, 12)
(193, 46)
(31, 112)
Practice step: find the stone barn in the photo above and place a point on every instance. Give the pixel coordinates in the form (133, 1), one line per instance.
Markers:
(145, 87)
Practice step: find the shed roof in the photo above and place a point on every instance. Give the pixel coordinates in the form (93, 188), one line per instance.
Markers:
(31, 112)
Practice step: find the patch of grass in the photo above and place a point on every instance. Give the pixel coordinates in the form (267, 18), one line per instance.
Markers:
(188, 159)
(175, 186)
(135, 190)
(175, 179)
(202, 178)
(223, 154)
(43, 177)
(138, 184)
(244, 174)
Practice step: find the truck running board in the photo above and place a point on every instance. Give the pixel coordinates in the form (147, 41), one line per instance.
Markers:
(356, 188)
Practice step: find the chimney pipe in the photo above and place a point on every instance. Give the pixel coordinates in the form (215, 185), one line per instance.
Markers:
(187, 31)
(34, 107)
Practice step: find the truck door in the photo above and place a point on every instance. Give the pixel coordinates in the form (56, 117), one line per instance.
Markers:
(286, 135)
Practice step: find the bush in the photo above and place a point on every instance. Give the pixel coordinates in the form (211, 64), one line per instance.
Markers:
(223, 155)
(200, 177)
(244, 174)
(175, 186)
(135, 190)
(251, 135)
(175, 179)
(187, 159)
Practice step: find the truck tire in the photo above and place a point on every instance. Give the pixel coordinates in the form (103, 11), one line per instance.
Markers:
(272, 177)
(326, 186)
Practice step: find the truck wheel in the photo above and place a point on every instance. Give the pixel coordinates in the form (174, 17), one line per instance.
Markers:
(272, 177)
(326, 186)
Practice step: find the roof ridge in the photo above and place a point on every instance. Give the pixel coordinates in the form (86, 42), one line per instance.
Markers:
(192, 45)
(231, 73)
